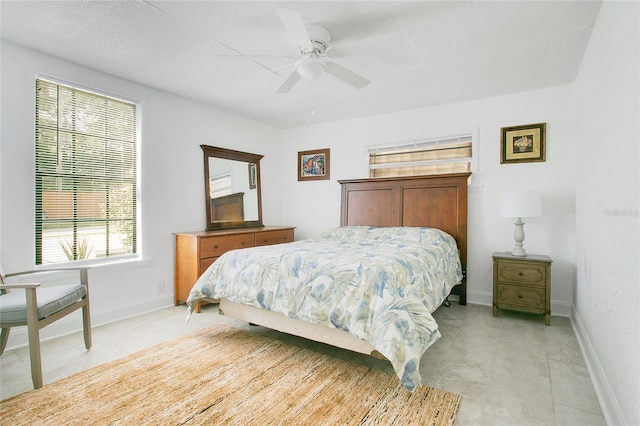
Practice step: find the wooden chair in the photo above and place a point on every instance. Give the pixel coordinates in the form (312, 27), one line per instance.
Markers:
(38, 306)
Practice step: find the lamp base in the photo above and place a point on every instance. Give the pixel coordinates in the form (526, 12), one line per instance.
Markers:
(519, 237)
(519, 251)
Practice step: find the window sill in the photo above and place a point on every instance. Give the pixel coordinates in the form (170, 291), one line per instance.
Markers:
(103, 265)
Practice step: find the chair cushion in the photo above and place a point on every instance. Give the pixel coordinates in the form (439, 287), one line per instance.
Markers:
(13, 305)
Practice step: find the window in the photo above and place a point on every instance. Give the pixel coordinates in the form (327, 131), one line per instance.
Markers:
(451, 154)
(220, 185)
(86, 178)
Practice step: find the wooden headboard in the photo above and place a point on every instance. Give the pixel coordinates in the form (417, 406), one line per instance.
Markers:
(228, 207)
(428, 201)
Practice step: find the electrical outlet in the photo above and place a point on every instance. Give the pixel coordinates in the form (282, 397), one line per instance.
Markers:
(161, 286)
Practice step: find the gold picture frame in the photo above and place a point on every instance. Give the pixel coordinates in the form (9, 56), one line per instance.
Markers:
(313, 165)
(523, 144)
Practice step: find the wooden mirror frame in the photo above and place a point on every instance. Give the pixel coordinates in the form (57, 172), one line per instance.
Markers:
(229, 154)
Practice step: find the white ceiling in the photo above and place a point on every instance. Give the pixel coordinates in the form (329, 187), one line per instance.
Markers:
(416, 54)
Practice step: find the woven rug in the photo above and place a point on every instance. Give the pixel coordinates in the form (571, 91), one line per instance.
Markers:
(222, 375)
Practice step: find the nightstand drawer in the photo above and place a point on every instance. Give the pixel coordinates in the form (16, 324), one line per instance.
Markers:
(522, 273)
(531, 298)
(274, 237)
(216, 246)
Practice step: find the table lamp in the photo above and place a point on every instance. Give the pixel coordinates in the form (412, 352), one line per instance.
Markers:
(519, 204)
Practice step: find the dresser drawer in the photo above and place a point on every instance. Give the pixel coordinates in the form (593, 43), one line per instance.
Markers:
(531, 298)
(523, 273)
(274, 237)
(205, 263)
(216, 246)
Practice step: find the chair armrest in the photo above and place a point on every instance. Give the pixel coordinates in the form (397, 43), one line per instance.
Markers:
(42, 271)
(21, 285)
(82, 269)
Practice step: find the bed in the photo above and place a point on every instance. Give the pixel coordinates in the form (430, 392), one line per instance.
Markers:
(371, 284)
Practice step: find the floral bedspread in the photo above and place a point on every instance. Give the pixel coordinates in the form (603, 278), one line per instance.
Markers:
(379, 284)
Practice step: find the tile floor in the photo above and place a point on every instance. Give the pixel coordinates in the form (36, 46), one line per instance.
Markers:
(510, 370)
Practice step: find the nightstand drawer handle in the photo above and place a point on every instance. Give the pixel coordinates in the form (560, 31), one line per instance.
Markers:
(520, 273)
(519, 296)
(215, 246)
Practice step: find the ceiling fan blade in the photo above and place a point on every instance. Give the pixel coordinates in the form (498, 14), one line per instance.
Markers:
(296, 28)
(289, 82)
(346, 75)
(283, 58)
(242, 56)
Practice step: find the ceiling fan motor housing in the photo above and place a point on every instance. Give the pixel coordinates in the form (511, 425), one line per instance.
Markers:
(319, 37)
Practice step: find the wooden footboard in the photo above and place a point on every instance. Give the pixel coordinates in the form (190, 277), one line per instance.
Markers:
(279, 322)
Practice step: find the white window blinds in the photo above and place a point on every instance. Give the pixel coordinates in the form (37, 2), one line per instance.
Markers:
(86, 179)
(451, 154)
(220, 185)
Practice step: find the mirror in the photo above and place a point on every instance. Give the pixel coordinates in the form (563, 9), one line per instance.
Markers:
(232, 188)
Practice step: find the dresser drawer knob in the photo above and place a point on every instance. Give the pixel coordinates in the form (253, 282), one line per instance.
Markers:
(215, 246)
(520, 273)
(519, 296)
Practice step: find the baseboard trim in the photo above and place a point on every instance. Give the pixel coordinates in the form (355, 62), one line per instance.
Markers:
(72, 323)
(558, 308)
(609, 405)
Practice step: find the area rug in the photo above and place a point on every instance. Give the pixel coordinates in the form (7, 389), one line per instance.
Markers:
(222, 375)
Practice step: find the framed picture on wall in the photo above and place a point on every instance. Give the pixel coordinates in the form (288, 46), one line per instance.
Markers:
(253, 176)
(523, 144)
(313, 165)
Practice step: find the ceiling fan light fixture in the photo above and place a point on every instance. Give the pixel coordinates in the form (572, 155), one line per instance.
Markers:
(309, 69)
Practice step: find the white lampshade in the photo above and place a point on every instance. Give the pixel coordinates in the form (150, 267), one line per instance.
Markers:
(519, 204)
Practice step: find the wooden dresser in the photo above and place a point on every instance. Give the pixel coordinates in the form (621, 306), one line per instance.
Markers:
(196, 251)
(522, 283)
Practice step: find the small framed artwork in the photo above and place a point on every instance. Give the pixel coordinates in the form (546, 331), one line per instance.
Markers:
(523, 144)
(253, 176)
(313, 165)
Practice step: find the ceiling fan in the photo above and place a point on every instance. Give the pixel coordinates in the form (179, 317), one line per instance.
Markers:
(311, 45)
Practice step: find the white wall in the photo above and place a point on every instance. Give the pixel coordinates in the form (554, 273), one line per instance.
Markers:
(315, 206)
(589, 185)
(172, 187)
(607, 300)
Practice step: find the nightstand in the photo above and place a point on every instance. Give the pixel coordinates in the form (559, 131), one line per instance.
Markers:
(522, 284)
